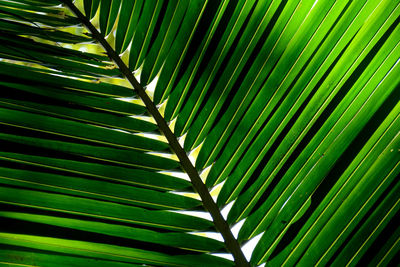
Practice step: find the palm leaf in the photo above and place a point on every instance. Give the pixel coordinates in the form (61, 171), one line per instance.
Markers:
(290, 108)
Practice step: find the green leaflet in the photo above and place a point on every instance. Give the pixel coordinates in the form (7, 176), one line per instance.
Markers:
(387, 253)
(144, 29)
(8, 51)
(97, 118)
(44, 33)
(107, 104)
(37, 76)
(108, 252)
(91, 7)
(14, 257)
(122, 157)
(54, 20)
(127, 23)
(108, 14)
(102, 209)
(78, 130)
(100, 190)
(31, 7)
(137, 177)
(89, 63)
(165, 36)
(180, 240)
(41, 2)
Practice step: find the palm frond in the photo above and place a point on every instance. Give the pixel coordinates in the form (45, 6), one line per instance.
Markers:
(292, 106)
